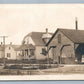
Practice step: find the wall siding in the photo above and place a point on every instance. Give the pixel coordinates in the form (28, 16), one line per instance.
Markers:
(64, 41)
(38, 49)
(38, 53)
(18, 57)
(11, 51)
(1, 54)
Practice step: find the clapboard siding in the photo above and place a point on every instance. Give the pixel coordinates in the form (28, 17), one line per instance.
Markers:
(67, 51)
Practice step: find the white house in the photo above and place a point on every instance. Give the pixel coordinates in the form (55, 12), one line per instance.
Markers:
(1, 51)
(12, 52)
(38, 41)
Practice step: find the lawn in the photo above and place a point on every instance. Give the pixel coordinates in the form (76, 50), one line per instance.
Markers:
(66, 69)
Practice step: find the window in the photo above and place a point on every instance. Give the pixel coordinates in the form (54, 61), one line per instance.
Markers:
(59, 38)
(9, 48)
(22, 53)
(31, 52)
(28, 41)
(8, 55)
(26, 51)
(44, 51)
(19, 54)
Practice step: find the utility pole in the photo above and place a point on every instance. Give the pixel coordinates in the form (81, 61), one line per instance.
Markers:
(4, 47)
(76, 22)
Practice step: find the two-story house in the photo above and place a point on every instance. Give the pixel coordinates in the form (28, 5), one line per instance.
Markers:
(12, 52)
(35, 45)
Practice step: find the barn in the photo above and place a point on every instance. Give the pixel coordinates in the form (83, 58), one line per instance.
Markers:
(66, 46)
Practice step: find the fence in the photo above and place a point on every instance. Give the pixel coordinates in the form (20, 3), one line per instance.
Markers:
(42, 69)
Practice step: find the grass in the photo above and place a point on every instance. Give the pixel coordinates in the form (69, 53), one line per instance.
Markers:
(42, 70)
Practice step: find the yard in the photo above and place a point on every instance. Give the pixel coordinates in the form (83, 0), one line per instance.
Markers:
(42, 70)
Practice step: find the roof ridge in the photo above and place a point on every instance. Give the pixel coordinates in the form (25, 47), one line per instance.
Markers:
(70, 29)
(76, 36)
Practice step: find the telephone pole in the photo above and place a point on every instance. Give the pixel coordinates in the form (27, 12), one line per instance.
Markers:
(76, 22)
(4, 47)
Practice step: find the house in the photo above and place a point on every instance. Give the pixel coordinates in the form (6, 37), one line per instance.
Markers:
(1, 51)
(66, 46)
(26, 51)
(12, 52)
(35, 45)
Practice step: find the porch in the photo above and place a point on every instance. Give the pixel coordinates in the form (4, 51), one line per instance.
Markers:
(27, 51)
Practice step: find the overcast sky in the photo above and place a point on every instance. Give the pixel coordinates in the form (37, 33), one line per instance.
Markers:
(17, 20)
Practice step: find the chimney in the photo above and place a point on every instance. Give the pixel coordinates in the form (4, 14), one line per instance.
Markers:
(10, 43)
(76, 23)
(46, 30)
(1, 43)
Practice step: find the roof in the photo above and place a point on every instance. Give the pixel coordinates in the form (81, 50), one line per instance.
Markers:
(26, 46)
(13, 46)
(76, 36)
(37, 37)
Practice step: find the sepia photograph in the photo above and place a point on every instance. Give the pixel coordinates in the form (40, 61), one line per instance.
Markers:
(41, 41)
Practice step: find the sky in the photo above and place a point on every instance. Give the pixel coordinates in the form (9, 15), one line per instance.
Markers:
(17, 20)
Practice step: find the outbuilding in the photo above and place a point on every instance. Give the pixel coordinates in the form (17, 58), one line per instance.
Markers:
(66, 46)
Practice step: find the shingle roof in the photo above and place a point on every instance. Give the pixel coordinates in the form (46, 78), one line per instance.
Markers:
(16, 46)
(13, 46)
(26, 46)
(77, 36)
(37, 37)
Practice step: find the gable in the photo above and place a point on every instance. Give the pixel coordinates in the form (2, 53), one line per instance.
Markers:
(11, 48)
(76, 36)
(28, 40)
(64, 39)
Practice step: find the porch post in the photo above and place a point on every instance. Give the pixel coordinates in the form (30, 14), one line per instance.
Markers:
(28, 54)
(21, 54)
(48, 56)
(24, 53)
(29, 57)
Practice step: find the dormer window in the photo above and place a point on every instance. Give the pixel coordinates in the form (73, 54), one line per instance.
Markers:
(59, 38)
